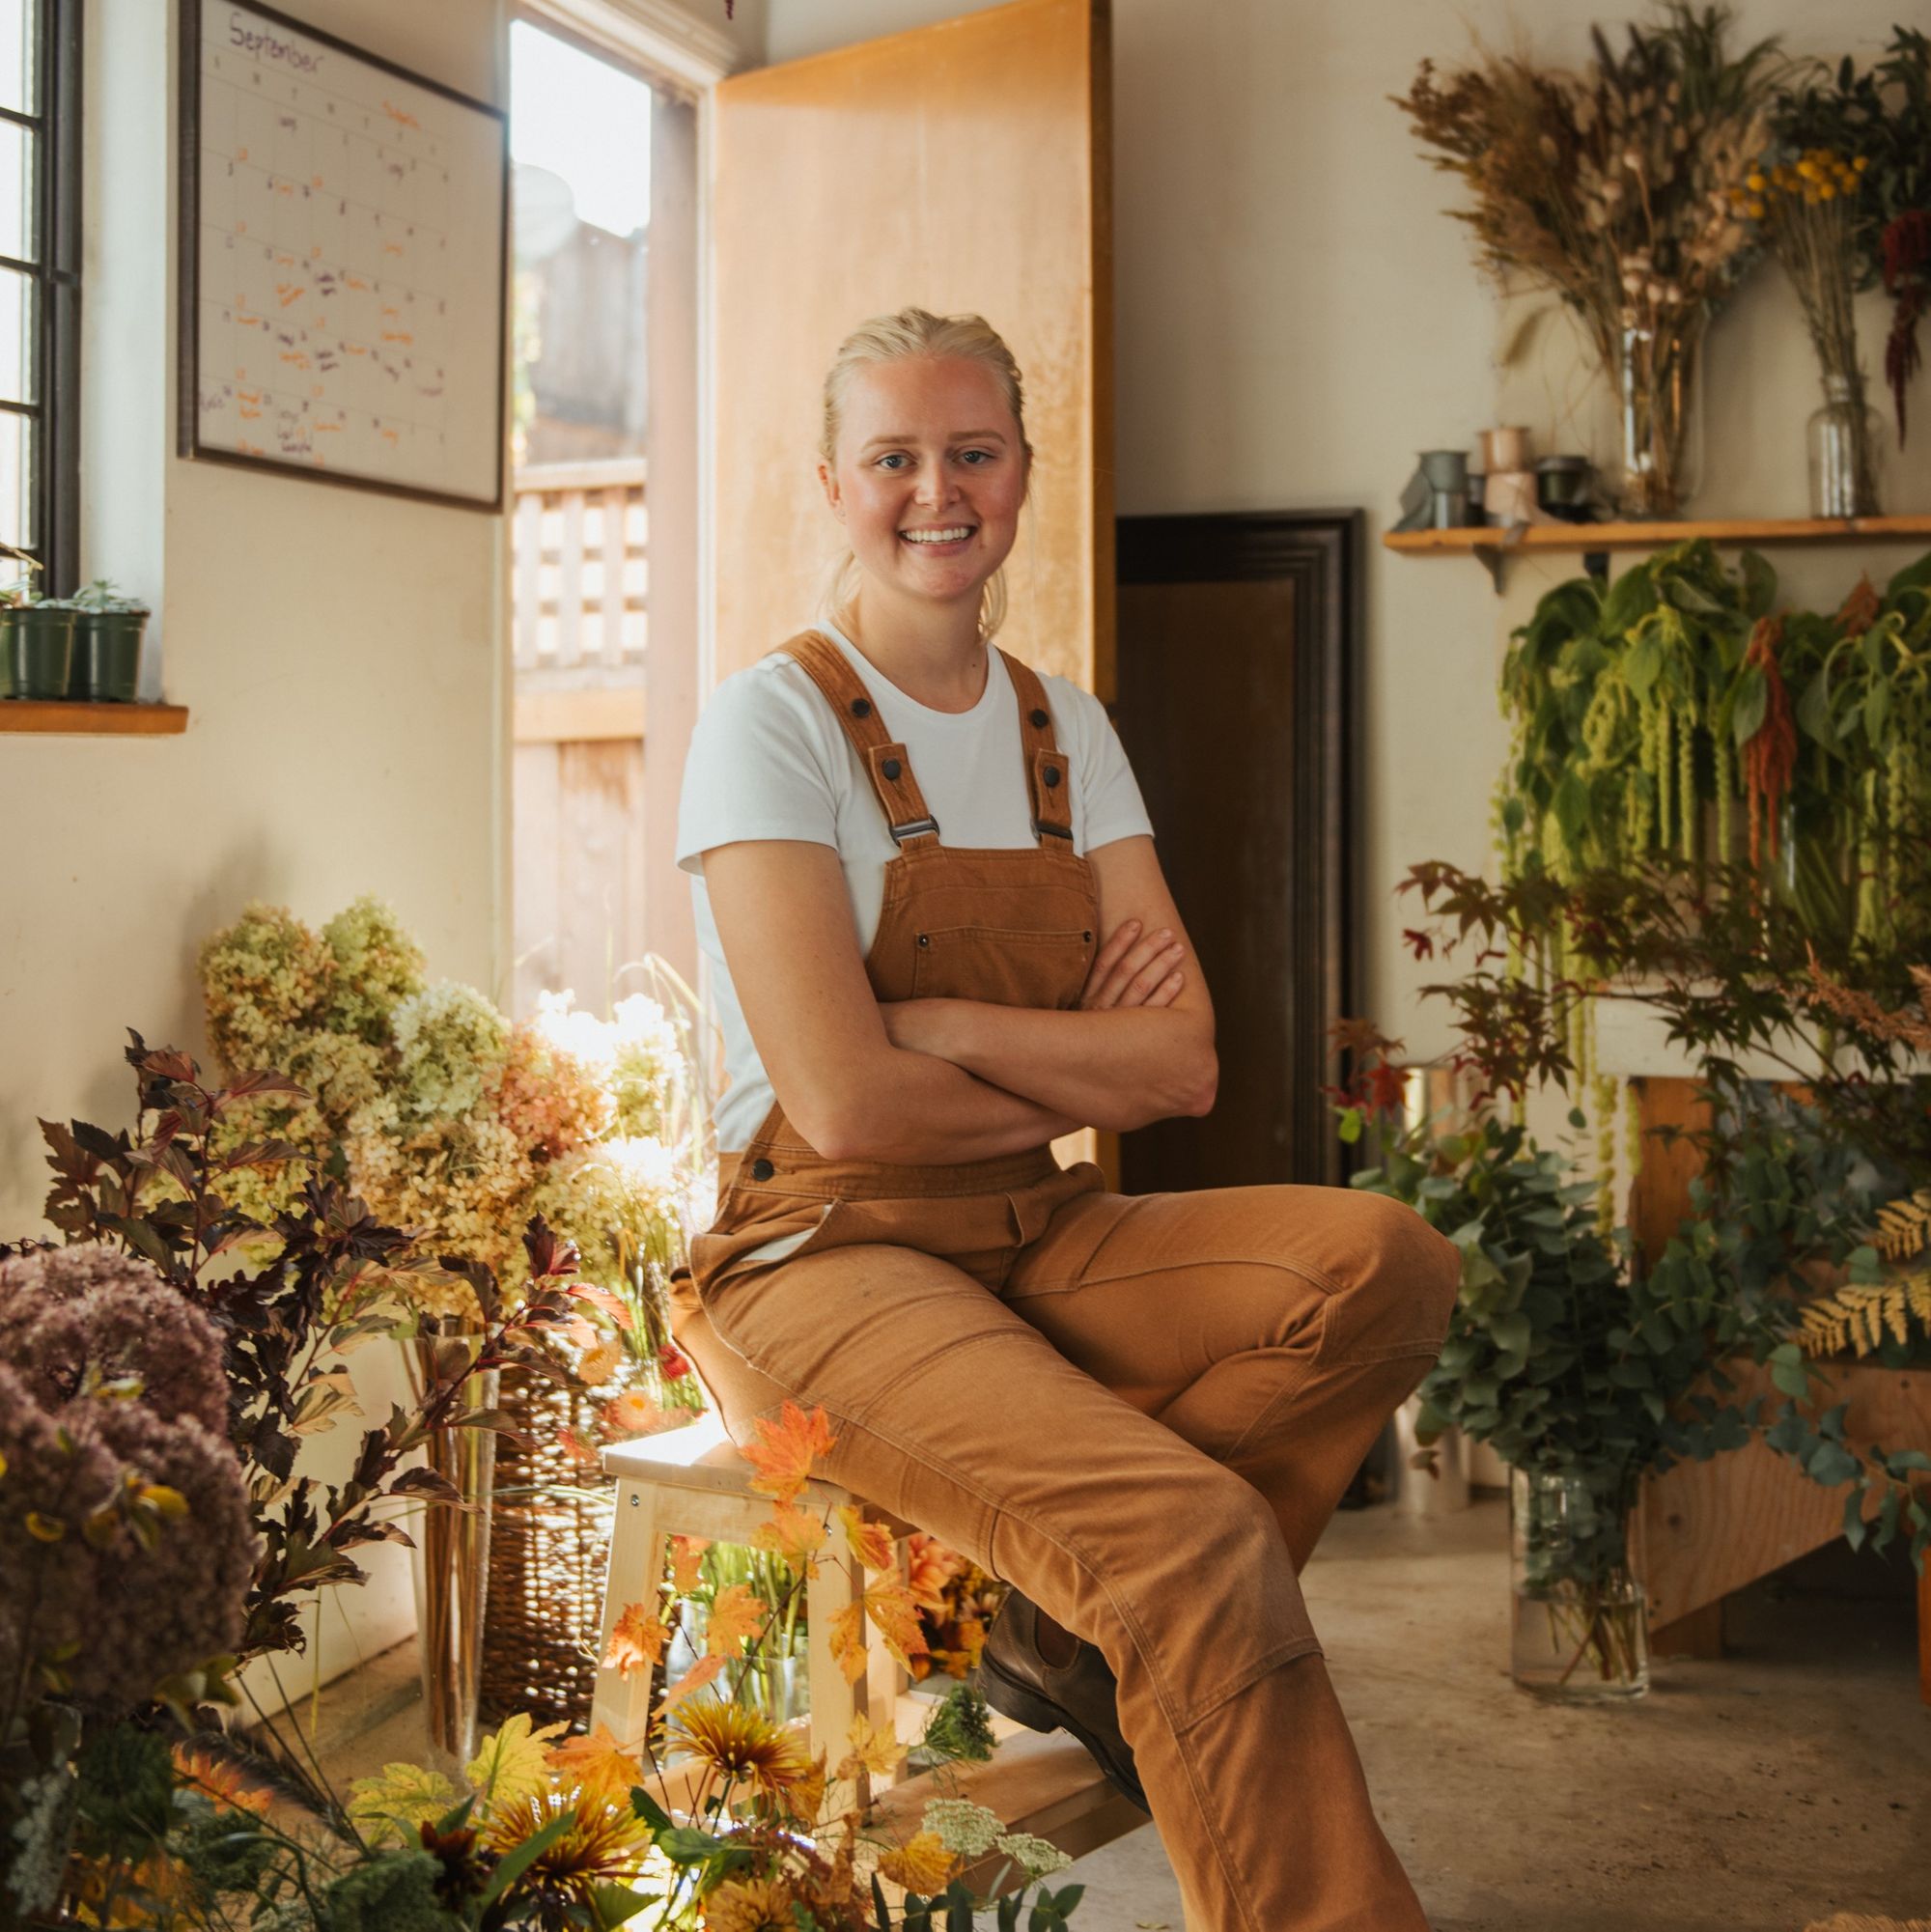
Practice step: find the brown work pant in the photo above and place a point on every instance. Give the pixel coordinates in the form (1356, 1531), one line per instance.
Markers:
(1141, 1413)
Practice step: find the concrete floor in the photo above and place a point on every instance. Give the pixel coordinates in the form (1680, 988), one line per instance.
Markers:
(1783, 1783)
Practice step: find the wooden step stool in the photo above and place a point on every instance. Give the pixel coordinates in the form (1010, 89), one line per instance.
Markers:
(692, 1482)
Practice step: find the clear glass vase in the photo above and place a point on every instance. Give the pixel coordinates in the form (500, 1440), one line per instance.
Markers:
(1655, 379)
(1579, 1622)
(1842, 442)
(774, 1678)
(451, 1564)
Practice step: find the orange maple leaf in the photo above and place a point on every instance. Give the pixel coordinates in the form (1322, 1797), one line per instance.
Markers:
(922, 1863)
(684, 1575)
(637, 1641)
(848, 1641)
(870, 1542)
(874, 1748)
(895, 1617)
(784, 1450)
(807, 1795)
(597, 1766)
(795, 1534)
(695, 1678)
(736, 1616)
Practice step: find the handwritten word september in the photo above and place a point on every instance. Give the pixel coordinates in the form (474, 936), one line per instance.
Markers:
(252, 41)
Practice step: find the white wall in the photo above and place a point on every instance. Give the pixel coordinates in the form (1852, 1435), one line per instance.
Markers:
(337, 650)
(1295, 319)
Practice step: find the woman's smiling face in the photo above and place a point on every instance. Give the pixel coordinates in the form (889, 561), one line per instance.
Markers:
(930, 476)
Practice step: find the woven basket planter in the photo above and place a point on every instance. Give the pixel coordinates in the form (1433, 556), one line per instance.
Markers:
(548, 1548)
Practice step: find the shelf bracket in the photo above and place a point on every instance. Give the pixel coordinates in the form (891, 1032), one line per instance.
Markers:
(1490, 557)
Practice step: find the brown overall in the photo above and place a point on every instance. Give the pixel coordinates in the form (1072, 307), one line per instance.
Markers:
(1139, 1410)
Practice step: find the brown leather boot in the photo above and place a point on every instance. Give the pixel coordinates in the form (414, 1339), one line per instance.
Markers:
(1080, 1696)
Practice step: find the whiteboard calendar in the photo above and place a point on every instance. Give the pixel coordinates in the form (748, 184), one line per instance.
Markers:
(343, 237)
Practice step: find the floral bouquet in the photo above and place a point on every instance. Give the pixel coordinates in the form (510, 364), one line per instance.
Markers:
(459, 1125)
(143, 1543)
(450, 1119)
(1610, 190)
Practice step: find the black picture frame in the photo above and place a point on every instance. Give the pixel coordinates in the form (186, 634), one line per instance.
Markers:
(189, 375)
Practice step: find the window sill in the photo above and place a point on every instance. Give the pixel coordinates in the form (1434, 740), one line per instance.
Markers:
(93, 720)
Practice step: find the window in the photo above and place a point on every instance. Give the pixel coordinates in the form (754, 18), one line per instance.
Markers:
(39, 285)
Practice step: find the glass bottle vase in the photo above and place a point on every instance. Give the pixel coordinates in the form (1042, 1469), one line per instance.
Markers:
(450, 1562)
(1579, 1622)
(1842, 442)
(1655, 379)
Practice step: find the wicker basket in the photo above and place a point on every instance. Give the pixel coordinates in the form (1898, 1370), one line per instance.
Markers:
(548, 1548)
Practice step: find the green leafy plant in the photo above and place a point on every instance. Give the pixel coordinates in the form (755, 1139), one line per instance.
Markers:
(1790, 1188)
(103, 593)
(1636, 705)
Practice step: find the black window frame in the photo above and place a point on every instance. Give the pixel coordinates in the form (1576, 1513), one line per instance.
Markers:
(55, 411)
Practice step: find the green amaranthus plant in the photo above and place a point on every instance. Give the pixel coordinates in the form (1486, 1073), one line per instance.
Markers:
(1636, 705)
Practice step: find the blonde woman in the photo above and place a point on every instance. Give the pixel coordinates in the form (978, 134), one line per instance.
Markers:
(941, 938)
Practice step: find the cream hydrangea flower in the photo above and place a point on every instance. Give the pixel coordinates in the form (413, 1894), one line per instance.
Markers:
(451, 1044)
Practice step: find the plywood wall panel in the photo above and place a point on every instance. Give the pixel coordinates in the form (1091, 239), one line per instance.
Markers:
(961, 167)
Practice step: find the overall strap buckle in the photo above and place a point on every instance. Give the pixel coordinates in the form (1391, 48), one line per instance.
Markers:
(886, 762)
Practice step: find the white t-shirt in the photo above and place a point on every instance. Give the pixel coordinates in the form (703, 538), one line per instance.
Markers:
(770, 760)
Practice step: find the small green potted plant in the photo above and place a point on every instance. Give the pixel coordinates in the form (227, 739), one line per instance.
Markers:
(107, 633)
(36, 640)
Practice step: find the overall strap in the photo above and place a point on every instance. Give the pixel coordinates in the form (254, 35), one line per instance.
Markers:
(884, 761)
(1047, 788)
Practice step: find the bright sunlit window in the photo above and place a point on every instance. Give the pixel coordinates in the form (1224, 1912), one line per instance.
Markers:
(39, 259)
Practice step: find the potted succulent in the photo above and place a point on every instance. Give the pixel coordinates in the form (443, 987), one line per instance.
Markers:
(107, 633)
(36, 643)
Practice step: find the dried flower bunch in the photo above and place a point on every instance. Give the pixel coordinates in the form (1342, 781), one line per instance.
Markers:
(155, 1378)
(124, 1531)
(1809, 196)
(1612, 190)
(451, 1121)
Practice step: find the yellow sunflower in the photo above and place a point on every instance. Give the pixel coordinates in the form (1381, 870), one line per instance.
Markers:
(750, 1905)
(743, 1745)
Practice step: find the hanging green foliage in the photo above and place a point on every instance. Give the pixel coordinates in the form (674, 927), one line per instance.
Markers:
(1655, 715)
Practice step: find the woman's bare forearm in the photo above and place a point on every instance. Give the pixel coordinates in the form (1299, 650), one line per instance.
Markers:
(917, 1109)
(1117, 1068)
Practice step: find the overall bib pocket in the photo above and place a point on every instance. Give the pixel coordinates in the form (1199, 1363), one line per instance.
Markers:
(1003, 966)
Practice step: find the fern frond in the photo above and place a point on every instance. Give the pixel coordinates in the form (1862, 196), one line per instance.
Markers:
(1904, 1227)
(1857, 1318)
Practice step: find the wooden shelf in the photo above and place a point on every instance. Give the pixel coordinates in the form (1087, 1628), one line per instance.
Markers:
(1654, 535)
(1491, 544)
(94, 720)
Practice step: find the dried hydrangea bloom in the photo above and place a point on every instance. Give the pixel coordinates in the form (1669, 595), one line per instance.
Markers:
(647, 1065)
(616, 1194)
(377, 967)
(74, 1318)
(264, 978)
(451, 1044)
(548, 1098)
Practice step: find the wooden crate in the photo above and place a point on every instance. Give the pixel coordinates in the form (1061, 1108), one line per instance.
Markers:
(1703, 1529)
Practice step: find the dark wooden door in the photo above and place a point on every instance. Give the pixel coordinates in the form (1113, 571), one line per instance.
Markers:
(1236, 646)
